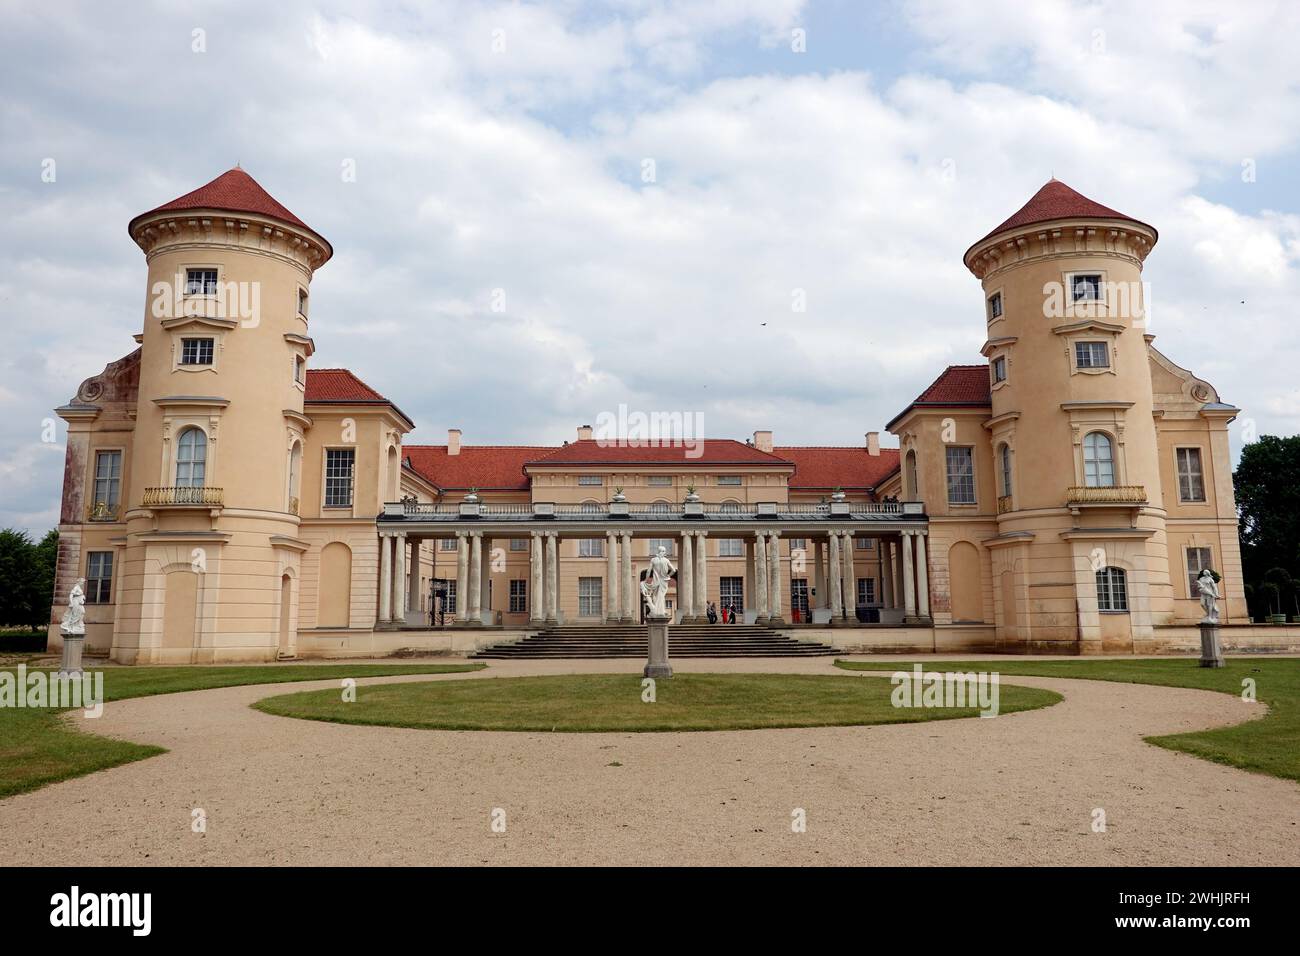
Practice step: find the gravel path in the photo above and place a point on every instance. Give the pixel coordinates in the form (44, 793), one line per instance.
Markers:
(1018, 789)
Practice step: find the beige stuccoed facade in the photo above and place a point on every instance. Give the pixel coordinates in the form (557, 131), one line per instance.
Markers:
(226, 502)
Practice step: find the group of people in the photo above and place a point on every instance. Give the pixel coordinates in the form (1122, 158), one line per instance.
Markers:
(729, 615)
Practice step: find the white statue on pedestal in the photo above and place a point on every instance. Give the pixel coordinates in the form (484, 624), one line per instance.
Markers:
(654, 588)
(74, 618)
(1209, 592)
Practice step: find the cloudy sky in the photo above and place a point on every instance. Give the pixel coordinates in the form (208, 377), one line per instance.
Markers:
(507, 146)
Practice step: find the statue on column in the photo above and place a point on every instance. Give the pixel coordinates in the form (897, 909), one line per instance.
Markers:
(1209, 591)
(654, 587)
(74, 618)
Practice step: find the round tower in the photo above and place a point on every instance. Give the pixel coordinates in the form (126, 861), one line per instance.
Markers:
(1075, 453)
(219, 430)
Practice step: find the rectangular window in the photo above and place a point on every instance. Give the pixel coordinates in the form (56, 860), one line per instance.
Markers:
(995, 306)
(1085, 288)
(731, 593)
(519, 596)
(798, 544)
(999, 369)
(339, 464)
(657, 543)
(518, 544)
(1091, 355)
(99, 577)
(589, 597)
(866, 591)
(200, 281)
(590, 480)
(659, 481)
(729, 479)
(446, 544)
(864, 544)
(196, 351)
(302, 302)
(799, 597)
(1191, 481)
(731, 548)
(961, 475)
(449, 606)
(1198, 559)
(108, 481)
(299, 369)
(591, 547)
(1112, 590)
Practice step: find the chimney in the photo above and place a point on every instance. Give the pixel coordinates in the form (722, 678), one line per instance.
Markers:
(584, 433)
(453, 441)
(873, 443)
(763, 441)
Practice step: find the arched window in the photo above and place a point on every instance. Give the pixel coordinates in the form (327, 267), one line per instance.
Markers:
(1004, 456)
(191, 458)
(1098, 460)
(909, 477)
(1112, 590)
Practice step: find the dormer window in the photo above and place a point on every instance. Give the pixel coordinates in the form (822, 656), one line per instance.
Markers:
(1085, 287)
(1091, 355)
(200, 281)
(995, 306)
(196, 351)
(999, 369)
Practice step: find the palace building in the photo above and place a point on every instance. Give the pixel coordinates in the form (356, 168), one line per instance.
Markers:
(226, 501)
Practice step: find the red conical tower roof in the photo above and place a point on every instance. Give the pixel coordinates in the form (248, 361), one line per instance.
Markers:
(232, 191)
(1058, 201)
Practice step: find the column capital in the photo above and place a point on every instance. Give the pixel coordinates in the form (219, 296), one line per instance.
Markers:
(462, 534)
(773, 533)
(699, 534)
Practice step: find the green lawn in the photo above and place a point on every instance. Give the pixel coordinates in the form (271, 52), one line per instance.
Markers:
(37, 747)
(612, 702)
(1269, 745)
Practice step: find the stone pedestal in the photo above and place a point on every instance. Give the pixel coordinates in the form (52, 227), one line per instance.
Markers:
(1211, 646)
(657, 665)
(72, 645)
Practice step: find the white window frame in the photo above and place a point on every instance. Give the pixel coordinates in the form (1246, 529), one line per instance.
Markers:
(518, 596)
(590, 597)
(731, 547)
(1112, 590)
(113, 480)
(956, 482)
(591, 547)
(730, 481)
(991, 312)
(326, 478)
(1198, 476)
(1194, 568)
(191, 464)
(99, 589)
(1102, 467)
(596, 480)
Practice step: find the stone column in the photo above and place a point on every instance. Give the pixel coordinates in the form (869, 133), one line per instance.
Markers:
(836, 582)
(774, 583)
(385, 578)
(701, 586)
(536, 597)
(612, 611)
(750, 592)
(413, 576)
(760, 577)
(819, 580)
(475, 577)
(552, 579)
(909, 583)
(886, 574)
(850, 577)
(462, 577)
(399, 578)
(628, 591)
(686, 579)
(922, 578)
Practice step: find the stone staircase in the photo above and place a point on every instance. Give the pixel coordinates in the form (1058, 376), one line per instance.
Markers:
(630, 641)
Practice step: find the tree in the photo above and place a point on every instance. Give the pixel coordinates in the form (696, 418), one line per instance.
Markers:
(26, 578)
(1267, 482)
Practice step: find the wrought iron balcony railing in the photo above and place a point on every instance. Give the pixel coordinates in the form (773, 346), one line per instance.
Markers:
(203, 497)
(1106, 495)
(103, 511)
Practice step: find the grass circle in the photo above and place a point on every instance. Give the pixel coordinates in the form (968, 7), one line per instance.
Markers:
(595, 703)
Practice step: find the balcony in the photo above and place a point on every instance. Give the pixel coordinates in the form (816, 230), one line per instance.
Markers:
(183, 497)
(103, 511)
(1079, 495)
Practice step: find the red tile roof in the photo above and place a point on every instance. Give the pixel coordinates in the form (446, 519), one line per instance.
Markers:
(957, 385)
(232, 191)
(1057, 201)
(838, 467)
(338, 386)
(487, 467)
(714, 451)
